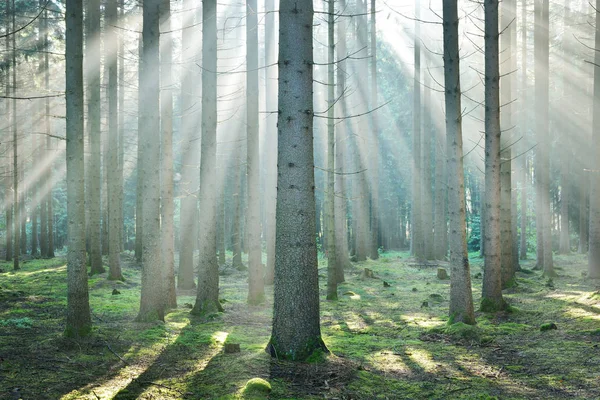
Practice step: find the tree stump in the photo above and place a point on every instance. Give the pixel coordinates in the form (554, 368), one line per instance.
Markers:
(442, 274)
(367, 273)
(232, 348)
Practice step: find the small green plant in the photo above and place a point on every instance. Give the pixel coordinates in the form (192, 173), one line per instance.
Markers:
(23, 323)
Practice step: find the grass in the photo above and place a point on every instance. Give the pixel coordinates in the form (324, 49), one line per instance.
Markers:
(384, 343)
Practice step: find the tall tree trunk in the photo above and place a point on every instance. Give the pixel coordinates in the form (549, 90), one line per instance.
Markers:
(594, 232)
(167, 229)
(426, 191)
(440, 227)
(461, 298)
(374, 159)
(332, 263)
(34, 202)
(341, 212)
(16, 198)
(121, 123)
(95, 131)
(523, 159)
(542, 168)
(207, 297)
(416, 233)
(256, 291)
(139, 190)
(114, 246)
(8, 200)
(152, 302)
(506, 146)
(492, 280)
(79, 321)
(296, 332)
(188, 241)
(271, 140)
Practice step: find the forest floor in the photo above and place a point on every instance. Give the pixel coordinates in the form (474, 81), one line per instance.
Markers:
(386, 342)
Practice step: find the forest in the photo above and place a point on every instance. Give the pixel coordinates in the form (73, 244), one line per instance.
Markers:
(284, 199)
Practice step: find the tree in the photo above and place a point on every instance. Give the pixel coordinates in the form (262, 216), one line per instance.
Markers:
(256, 291)
(341, 210)
(92, 56)
(594, 232)
(189, 168)
(416, 233)
(332, 262)
(492, 280)
(79, 321)
(506, 244)
(461, 298)
(271, 141)
(167, 202)
(207, 296)
(296, 333)
(374, 159)
(9, 202)
(17, 215)
(152, 303)
(542, 155)
(114, 218)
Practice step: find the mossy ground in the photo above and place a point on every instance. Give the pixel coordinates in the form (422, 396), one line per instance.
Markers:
(384, 344)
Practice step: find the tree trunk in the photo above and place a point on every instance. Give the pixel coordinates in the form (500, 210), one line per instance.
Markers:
(492, 280)
(426, 193)
(271, 141)
(506, 146)
(94, 109)
(594, 232)
(332, 263)
(296, 330)
(152, 304)
(114, 246)
(16, 198)
(256, 290)
(207, 297)
(461, 298)
(167, 186)
(79, 321)
(8, 200)
(374, 159)
(416, 233)
(341, 212)
(188, 241)
(542, 170)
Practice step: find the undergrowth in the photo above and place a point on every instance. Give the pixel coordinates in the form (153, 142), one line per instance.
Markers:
(384, 341)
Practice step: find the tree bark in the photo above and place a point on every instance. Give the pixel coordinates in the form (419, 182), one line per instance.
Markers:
(167, 228)
(332, 263)
(207, 297)
(461, 298)
(152, 304)
(594, 231)
(506, 140)
(188, 241)
(416, 233)
(296, 332)
(492, 280)
(374, 159)
(256, 290)
(78, 321)
(542, 168)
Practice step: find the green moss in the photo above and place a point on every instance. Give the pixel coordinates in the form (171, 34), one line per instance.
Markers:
(548, 326)
(490, 306)
(256, 387)
(22, 323)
